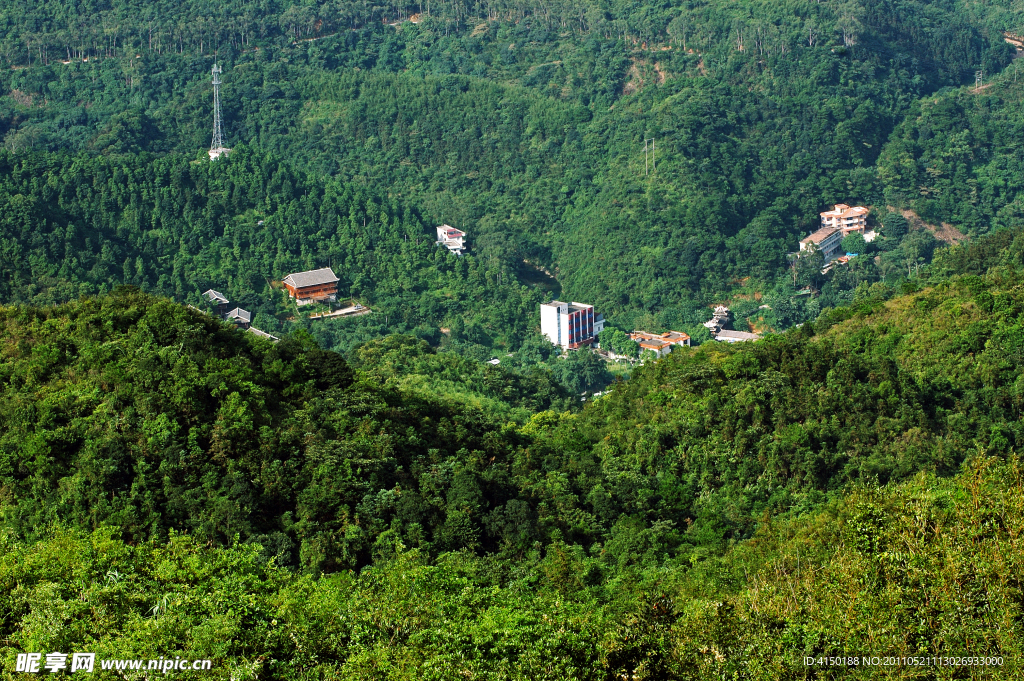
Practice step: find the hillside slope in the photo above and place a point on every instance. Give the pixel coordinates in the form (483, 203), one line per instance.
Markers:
(526, 123)
(708, 442)
(139, 413)
(132, 410)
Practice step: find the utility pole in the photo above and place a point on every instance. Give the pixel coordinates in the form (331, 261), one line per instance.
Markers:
(653, 165)
(979, 78)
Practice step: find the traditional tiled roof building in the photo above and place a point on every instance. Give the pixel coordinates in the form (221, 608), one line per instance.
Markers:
(219, 300)
(239, 317)
(312, 286)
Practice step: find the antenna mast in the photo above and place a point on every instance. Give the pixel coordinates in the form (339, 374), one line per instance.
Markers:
(653, 166)
(217, 148)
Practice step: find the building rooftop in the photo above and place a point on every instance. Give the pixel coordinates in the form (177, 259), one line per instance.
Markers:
(841, 210)
(653, 343)
(668, 337)
(734, 336)
(675, 336)
(263, 334)
(573, 306)
(239, 315)
(819, 236)
(215, 296)
(311, 278)
(451, 232)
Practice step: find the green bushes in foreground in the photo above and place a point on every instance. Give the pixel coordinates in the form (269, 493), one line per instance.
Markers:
(927, 568)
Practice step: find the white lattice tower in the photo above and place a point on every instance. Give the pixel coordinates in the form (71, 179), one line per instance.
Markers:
(217, 147)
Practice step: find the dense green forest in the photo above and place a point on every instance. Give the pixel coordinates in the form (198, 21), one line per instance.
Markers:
(139, 394)
(879, 572)
(430, 491)
(171, 485)
(526, 124)
(77, 226)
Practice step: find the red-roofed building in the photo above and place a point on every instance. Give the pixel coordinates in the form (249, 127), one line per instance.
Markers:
(660, 343)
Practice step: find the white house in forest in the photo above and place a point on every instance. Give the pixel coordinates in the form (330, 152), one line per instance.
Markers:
(452, 239)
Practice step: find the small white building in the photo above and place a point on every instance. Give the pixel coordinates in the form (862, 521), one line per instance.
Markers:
(568, 325)
(452, 239)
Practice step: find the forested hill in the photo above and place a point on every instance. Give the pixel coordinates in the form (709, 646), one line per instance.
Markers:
(81, 225)
(715, 514)
(525, 123)
(137, 411)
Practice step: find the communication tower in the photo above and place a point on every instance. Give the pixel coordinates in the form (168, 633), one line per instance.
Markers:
(217, 148)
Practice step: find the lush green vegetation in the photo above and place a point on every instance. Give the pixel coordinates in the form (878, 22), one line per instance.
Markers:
(526, 124)
(393, 516)
(883, 571)
(953, 158)
(74, 226)
(151, 416)
(429, 491)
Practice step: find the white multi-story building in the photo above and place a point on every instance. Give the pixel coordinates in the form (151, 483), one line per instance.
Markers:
(452, 239)
(845, 218)
(569, 325)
